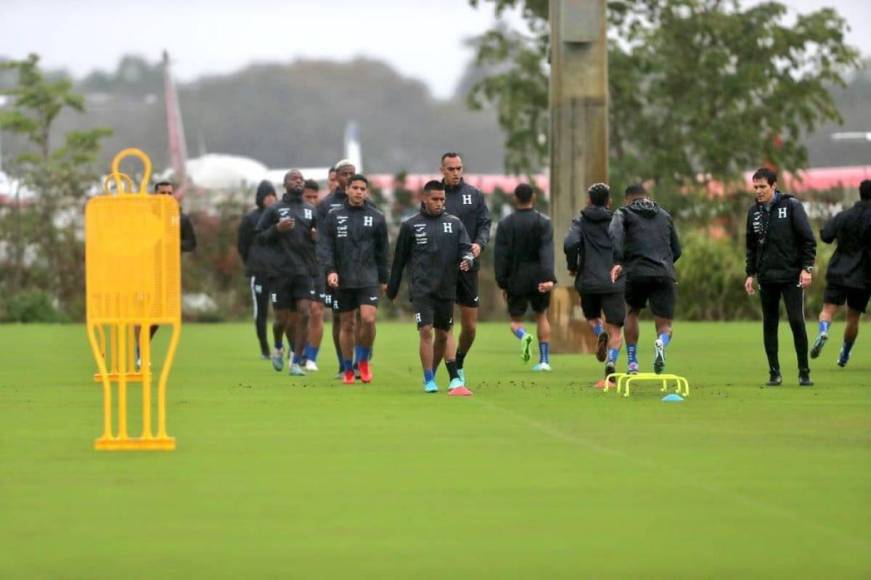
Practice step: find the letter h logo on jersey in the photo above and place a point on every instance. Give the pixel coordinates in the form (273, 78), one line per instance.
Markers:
(449, 229)
(367, 221)
(467, 199)
(781, 213)
(308, 214)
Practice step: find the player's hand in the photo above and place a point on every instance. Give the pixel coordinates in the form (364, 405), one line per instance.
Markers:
(748, 286)
(476, 250)
(615, 273)
(545, 287)
(333, 280)
(805, 279)
(285, 224)
(384, 289)
(465, 265)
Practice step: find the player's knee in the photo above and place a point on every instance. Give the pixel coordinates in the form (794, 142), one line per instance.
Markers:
(426, 332)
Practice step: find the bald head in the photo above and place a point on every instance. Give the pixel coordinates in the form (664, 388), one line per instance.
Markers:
(293, 179)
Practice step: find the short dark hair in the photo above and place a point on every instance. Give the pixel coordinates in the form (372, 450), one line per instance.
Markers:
(450, 154)
(865, 189)
(160, 184)
(332, 170)
(311, 184)
(599, 194)
(523, 192)
(635, 190)
(433, 185)
(766, 174)
(359, 177)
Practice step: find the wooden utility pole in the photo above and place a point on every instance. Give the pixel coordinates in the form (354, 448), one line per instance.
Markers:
(578, 141)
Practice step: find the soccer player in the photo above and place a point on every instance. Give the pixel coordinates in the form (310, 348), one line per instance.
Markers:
(524, 270)
(344, 171)
(253, 255)
(848, 278)
(590, 257)
(467, 203)
(435, 247)
(353, 248)
(780, 254)
(311, 194)
(646, 246)
(288, 228)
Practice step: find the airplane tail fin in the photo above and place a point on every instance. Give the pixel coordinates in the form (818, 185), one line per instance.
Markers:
(174, 127)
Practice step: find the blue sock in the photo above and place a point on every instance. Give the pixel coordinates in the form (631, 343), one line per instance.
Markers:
(362, 354)
(347, 364)
(519, 332)
(848, 346)
(824, 326)
(358, 354)
(311, 352)
(296, 358)
(544, 352)
(597, 330)
(279, 344)
(428, 375)
(665, 338)
(632, 352)
(613, 354)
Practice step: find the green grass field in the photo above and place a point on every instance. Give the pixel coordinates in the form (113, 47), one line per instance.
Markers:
(533, 477)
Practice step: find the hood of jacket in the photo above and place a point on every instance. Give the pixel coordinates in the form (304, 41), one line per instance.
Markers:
(595, 213)
(644, 207)
(264, 190)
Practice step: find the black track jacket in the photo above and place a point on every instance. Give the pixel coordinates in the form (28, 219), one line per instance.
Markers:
(645, 240)
(352, 242)
(850, 266)
(289, 253)
(468, 204)
(523, 252)
(590, 253)
(780, 241)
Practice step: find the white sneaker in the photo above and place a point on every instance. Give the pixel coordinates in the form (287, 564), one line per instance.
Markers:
(542, 367)
(311, 365)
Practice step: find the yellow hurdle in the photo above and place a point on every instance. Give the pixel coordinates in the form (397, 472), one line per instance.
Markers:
(624, 380)
(133, 281)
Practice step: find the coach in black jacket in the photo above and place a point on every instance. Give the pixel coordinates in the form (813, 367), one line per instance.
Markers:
(435, 247)
(353, 250)
(848, 278)
(468, 204)
(254, 256)
(780, 254)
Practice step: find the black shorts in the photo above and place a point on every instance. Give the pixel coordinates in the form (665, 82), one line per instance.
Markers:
(432, 311)
(661, 292)
(330, 298)
(856, 298)
(613, 304)
(353, 298)
(285, 291)
(319, 284)
(517, 304)
(467, 289)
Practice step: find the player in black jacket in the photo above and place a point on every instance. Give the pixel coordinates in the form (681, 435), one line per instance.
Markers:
(253, 255)
(315, 333)
(589, 258)
(524, 270)
(435, 247)
(646, 247)
(780, 254)
(353, 249)
(848, 278)
(468, 204)
(287, 229)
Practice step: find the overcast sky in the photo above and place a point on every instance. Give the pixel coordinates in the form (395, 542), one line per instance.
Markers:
(422, 39)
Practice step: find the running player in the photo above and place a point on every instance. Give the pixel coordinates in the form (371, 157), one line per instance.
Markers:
(353, 248)
(435, 247)
(524, 270)
(311, 195)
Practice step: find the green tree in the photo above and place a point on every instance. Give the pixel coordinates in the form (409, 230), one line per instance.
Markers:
(49, 225)
(699, 89)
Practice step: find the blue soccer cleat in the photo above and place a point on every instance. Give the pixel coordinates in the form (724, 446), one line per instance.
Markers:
(456, 383)
(430, 387)
(819, 343)
(278, 359)
(462, 375)
(843, 358)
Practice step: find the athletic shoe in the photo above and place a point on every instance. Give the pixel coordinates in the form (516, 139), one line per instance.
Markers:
(610, 368)
(632, 368)
(819, 343)
(526, 347)
(430, 387)
(542, 367)
(311, 366)
(658, 357)
(265, 356)
(462, 374)
(804, 380)
(365, 372)
(460, 392)
(357, 371)
(455, 384)
(774, 379)
(348, 378)
(278, 359)
(843, 359)
(602, 346)
(296, 370)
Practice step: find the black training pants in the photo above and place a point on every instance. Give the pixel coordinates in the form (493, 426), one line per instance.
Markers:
(793, 299)
(260, 298)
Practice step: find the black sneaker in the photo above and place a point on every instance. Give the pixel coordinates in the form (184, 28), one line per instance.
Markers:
(602, 346)
(610, 369)
(804, 380)
(774, 380)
